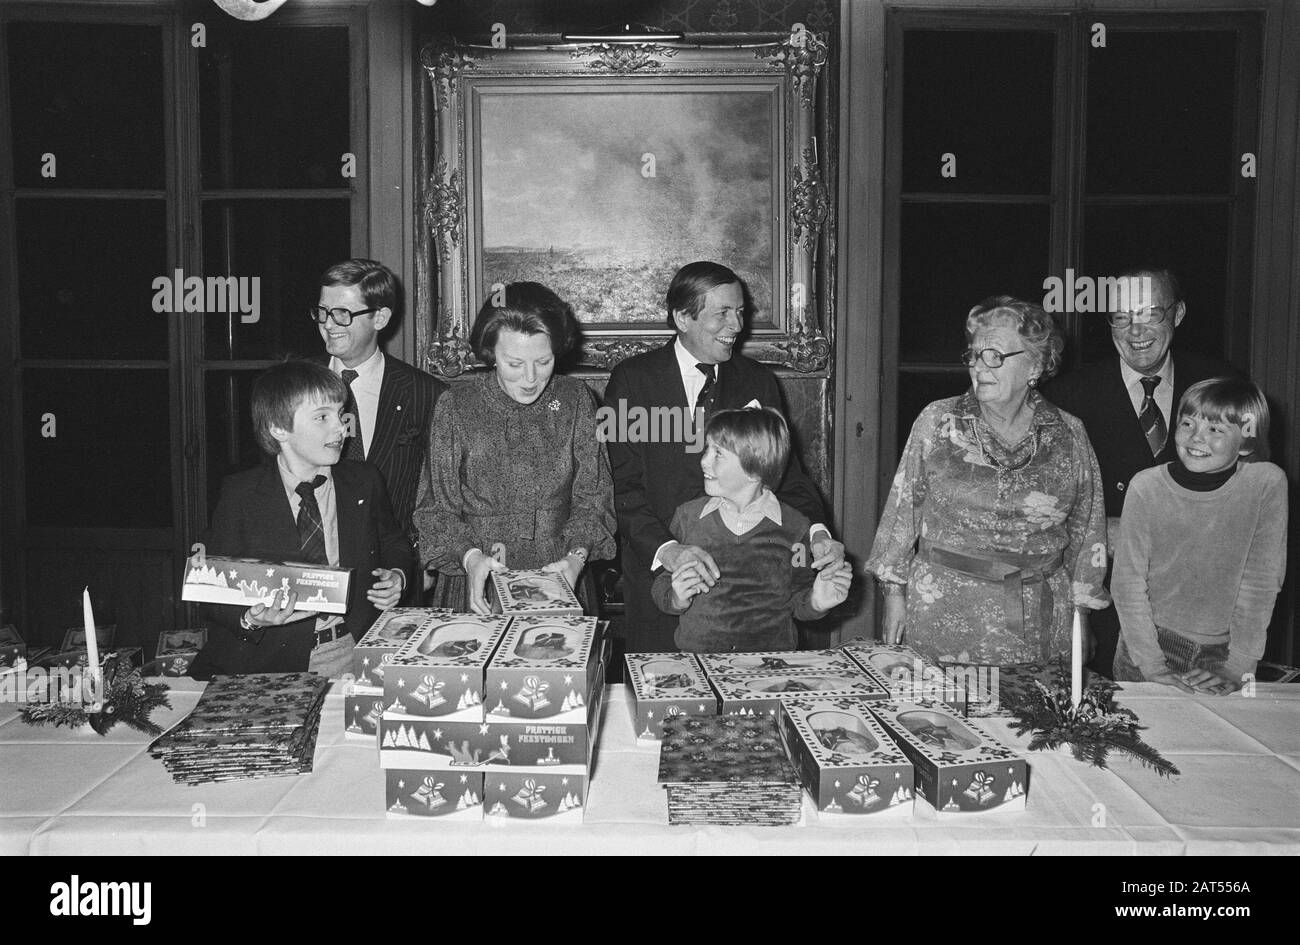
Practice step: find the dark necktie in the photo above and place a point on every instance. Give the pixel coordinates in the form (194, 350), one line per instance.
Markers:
(1152, 420)
(355, 448)
(311, 531)
(704, 400)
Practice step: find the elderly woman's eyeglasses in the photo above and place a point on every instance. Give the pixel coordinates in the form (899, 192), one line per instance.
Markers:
(342, 316)
(1147, 316)
(991, 357)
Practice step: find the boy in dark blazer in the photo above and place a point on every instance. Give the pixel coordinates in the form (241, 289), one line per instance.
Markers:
(307, 505)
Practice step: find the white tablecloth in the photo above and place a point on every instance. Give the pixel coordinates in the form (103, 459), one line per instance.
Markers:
(67, 792)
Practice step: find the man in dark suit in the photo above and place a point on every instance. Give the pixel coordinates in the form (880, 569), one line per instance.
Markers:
(696, 372)
(1127, 405)
(306, 505)
(391, 403)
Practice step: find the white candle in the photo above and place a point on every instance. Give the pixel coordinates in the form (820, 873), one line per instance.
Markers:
(1076, 660)
(92, 645)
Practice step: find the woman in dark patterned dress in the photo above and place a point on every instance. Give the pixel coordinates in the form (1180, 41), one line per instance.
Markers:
(515, 467)
(995, 529)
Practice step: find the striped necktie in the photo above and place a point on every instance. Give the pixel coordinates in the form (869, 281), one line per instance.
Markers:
(311, 531)
(1152, 420)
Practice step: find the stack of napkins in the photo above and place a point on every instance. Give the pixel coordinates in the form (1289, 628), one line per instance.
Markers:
(257, 726)
(728, 769)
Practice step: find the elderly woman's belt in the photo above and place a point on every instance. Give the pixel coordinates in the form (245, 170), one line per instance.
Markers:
(520, 524)
(1014, 572)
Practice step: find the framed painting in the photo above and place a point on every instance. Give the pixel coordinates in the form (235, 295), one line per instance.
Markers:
(599, 170)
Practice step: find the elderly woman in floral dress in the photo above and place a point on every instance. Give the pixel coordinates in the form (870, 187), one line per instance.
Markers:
(995, 528)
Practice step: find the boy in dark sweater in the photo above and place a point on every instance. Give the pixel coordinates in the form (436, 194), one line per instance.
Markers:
(759, 544)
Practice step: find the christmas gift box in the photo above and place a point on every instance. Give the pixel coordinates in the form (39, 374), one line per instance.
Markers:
(762, 694)
(439, 670)
(177, 649)
(248, 581)
(452, 795)
(828, 662)
(523, 593)
(553, 745)
(430, 744)
(846, 761)
(391, 631)
(536, 796)
(74, 638)
(12, 647)
(959, 768)
(906, 674)
(546, 668)
(541, 770)
(664, 685)
(363, 706)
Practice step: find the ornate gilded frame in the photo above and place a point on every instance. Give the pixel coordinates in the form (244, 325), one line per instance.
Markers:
(448, 257)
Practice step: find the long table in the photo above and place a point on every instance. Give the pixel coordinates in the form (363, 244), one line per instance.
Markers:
(74, 792)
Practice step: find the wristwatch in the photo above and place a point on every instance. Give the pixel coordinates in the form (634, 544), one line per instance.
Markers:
(580, 553)
(245, 623)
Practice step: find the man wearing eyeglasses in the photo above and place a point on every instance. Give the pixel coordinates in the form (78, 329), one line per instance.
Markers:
(391, 403)
(1126, 403)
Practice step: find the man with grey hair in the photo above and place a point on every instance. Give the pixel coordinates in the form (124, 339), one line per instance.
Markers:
(1127, 404)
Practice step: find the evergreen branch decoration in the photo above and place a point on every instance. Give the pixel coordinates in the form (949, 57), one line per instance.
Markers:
(1093, 730)
(127, 699)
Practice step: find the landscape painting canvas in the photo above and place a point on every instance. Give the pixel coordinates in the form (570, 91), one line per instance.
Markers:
(602, 196)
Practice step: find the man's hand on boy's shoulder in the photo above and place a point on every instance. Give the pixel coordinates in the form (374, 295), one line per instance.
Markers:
(831, 587)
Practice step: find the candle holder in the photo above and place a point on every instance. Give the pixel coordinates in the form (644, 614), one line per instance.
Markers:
(1091, 730)
(125, 698)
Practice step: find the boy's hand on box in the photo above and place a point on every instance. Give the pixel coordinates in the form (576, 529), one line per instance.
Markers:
(276, 615)
(1170, 678)
(386, 591)
(831, 588)
(1204, 680)
(688, 581)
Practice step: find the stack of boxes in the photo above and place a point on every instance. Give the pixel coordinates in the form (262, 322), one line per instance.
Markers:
(363, 696)
(430, 729)
(481, 713)
(868, 726)
(544, 692)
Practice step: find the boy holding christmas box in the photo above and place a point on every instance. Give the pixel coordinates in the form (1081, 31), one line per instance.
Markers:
(759, 544)
(305, 506)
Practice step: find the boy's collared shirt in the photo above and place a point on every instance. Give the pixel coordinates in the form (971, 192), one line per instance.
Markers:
(740, 521)
(365, 388)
